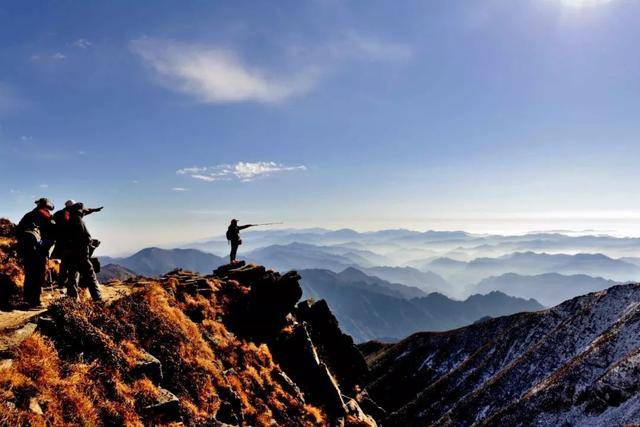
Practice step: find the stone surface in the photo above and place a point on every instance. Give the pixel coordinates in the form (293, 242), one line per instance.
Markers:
(165, 409)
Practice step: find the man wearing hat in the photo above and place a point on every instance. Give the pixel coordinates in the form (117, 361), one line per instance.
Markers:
(78, 247)
(35, 237)
(62, 219)
(233, 236)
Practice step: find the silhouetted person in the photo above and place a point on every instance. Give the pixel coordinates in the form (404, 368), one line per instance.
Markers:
(35, 237)
(233, 236)
(78, 255)
(62, 219)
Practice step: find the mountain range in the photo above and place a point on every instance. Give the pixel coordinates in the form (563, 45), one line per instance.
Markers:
(575, 364)
(370, 308)
(531, 263)
(155, 261)
(550, 288)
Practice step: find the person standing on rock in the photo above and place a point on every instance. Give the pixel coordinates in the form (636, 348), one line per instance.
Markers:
(35, 235)
(62, 219)
(233, 236)
(78, 259)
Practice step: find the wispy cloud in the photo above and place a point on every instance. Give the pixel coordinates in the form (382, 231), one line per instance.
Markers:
(214, 74)
(217, 75)
(179, 189)
(55, 56)
(242, 171)
(81, 43)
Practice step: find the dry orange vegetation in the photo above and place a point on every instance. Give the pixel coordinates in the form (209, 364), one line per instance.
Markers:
(84, 374)
(182, 348)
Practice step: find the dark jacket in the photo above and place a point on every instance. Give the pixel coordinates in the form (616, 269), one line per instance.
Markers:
(62, 219)
(78, 238)
(233, 232)
(36, 224)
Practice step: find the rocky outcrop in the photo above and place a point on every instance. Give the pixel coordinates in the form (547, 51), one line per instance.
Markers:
(304, 339)
(229, 348)
(337, 348)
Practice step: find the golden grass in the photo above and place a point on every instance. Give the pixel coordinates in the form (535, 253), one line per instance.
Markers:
(83, 375)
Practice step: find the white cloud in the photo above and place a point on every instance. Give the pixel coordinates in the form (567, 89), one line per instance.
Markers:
(58, 56)
(242, 171)
(180, 189)
(216, 75)
(81, 43)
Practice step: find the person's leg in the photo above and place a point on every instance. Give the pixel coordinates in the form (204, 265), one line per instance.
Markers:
(72, 278)
(89, 279)
(34, 277)
(40, 278)
(64, 272)
(234, 251)
(30, 274)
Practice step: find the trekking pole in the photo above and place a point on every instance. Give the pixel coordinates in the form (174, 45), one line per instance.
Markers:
(270, 223)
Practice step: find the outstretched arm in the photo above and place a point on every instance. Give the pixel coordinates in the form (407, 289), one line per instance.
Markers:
(92, 210)
(242, 227)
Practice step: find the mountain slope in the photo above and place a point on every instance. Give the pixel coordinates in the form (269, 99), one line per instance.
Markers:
(550, 289)
(299, 256)
(155, 261)
(115, 272)
(367, 311)
(425, 280)
(575, 364)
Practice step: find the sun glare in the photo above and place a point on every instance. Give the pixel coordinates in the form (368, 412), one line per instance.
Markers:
(579, 4)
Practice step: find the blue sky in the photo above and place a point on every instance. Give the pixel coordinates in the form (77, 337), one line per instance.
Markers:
(492, 115)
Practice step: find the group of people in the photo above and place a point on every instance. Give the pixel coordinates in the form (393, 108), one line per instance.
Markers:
(39, 231)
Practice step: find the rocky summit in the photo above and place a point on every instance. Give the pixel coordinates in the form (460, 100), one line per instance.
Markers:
(231, 348)
(575, 364)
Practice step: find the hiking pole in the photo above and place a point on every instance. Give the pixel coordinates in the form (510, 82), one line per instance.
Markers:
(269, 223)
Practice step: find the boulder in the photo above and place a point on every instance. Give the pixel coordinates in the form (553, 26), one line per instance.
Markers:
(336, 348)
(164, 410)
(148, 366)
(223, 270)
(297, 356)
(263, 311)
(357, 416)
(369, 406)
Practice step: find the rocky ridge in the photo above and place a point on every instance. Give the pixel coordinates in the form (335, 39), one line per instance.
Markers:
(231, 348)
(574, 364)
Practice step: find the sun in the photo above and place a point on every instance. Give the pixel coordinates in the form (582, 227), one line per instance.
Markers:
(580, 4)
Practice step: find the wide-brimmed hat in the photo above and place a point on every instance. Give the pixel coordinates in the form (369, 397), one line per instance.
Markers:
(43, 202)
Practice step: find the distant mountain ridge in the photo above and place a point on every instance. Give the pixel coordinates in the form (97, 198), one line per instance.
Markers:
(532, 263)
(369, 312)
(156, 261)
(549, 288)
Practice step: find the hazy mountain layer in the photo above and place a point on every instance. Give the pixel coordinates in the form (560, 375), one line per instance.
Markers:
(156, 261)
(367, 311)
(550, 289)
